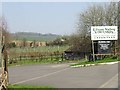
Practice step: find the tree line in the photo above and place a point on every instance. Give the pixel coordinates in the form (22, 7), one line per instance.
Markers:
(96, 15)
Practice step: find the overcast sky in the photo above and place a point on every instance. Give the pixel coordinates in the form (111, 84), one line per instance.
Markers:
(43, 17)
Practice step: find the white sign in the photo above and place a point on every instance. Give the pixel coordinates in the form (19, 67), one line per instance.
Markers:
(104, 33)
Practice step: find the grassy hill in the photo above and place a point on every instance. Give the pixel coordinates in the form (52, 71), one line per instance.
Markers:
(30, 36)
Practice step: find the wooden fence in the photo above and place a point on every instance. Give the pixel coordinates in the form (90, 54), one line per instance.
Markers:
(4, 81)
(35, 56)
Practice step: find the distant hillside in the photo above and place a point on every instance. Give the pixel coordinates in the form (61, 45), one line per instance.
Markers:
(30, 36)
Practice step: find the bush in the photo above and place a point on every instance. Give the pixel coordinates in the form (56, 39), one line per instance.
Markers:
(11, 45)
(114, 57)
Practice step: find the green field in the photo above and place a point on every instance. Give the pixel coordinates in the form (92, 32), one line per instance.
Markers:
(40, 49)
(30, 36)
(38, 55)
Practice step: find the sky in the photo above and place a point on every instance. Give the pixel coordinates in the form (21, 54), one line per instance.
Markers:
(43, 17)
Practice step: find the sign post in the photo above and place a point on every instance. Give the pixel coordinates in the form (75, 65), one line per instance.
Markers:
(93, 50)
(102, 34)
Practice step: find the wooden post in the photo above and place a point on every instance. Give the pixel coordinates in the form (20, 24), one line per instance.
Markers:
(4, 60)
(1, 54)
(51, 57)
(93, 50)
(0, 47)
(2, 57)
(62, 56)
(86, 57)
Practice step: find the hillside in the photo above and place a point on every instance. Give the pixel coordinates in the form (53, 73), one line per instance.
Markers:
(30, 36)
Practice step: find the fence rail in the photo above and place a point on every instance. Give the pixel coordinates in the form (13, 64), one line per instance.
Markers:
(56, 56)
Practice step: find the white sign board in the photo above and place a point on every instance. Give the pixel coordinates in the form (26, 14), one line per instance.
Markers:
(104, 33)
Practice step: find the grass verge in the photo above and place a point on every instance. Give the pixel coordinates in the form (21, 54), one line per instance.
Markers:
(105, 60)
(30, 62)
(29, 87)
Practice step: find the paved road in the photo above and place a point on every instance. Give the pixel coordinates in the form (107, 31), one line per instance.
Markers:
(63, 76)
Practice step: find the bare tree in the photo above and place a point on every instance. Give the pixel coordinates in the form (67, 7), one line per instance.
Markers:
(79, 43)
(111, 14)
(119, 21)
(4, 29)
(98, 15)
(118, 27)
(4, 39)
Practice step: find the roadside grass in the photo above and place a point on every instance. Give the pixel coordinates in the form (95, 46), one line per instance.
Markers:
(49, 61)
(55, 61)
(29, 87)
(26, 62)
(105, 60)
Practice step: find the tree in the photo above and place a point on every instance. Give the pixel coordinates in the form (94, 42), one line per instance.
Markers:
(79, 43)
(24, 42)
(34, 43)
(118, 26)
(98, 15)
(119, 22)
(4, 30)
(4, 40)
(64, 40)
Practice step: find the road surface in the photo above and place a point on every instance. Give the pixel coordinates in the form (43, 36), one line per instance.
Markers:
(64, 76)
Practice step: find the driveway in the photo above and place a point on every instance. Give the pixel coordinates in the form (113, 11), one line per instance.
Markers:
(64, 76)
